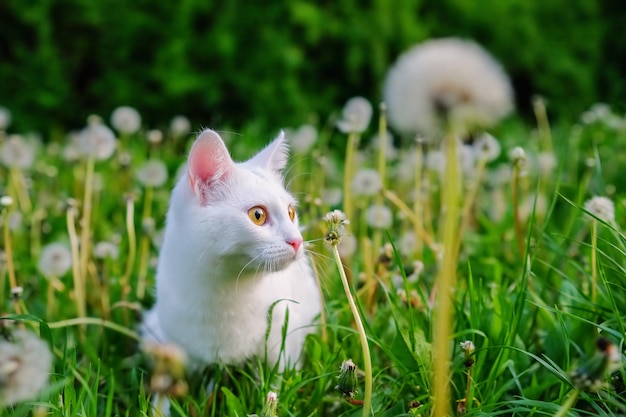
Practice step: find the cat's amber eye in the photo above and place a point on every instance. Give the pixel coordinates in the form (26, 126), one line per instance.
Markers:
(258, 215)
(292, 212)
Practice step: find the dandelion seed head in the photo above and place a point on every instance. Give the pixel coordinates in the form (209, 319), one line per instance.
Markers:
(303, 138)
(518, 155)
(155, 136)
(17, 152)
(356, 115)
(467, 347)
(96, 140)
(126, 120)
(601, 207)
(379, 216)
(25, 364)
(366, 182)
(332, 196)
(152, 173)
(487, 147)
(449, 80)
(55, 260)
(106, 250)
(180, 126)
(336, 220)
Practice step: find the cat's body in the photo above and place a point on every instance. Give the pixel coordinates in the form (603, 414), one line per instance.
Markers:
(231, 253)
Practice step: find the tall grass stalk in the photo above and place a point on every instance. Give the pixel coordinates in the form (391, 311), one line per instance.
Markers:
(446, 279)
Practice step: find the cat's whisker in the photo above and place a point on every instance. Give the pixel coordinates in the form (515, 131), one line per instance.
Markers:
(243, 268)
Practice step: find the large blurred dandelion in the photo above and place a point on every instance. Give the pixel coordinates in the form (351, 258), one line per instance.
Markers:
(446, 82)
(446, 88)
(25, 364)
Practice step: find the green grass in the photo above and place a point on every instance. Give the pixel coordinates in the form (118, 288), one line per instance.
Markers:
(530, 317)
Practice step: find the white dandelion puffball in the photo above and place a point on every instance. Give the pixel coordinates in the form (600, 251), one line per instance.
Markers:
(601, 207)
(17, 153)
(356, 115)
(106, 250)
(446, 80)
(5, 118)
(55, 260)
(97, 141)
(303, 138)
(25, 364)
(366, 182)
(152, 173)
(180, 126)
(487, 147)
(126, 120)
(379, 216)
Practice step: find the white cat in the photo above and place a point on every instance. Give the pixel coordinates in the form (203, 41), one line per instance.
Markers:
(232, 249)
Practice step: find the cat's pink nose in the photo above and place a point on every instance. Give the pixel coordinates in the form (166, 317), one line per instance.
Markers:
(295, 243)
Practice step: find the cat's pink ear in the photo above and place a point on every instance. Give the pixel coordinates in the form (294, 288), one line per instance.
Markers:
(209, 163)
(274, 156)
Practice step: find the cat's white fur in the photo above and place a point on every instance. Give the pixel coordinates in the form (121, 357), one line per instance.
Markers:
(219, 274)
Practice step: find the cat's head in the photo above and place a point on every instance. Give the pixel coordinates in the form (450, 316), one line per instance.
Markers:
(241, 213)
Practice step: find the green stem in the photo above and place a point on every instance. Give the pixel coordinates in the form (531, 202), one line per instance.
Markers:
(86, 219)
(76, 273)
(567, 405)
(446, 279)
(144, 245)
(132, 246)
(9, 257)
(348, 206)
(367, 398)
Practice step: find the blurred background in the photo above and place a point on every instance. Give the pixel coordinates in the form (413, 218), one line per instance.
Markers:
(281, 63)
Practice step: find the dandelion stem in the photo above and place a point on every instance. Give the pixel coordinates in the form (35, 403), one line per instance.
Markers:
(132, 246)
(367, 398)
(446, 279)
(418, 203)
(469, 200)
(85, 235)
(419, 229)
(144, 245)
(567, 405)
(9, 256)
(21, 192)
(382, 165)
(353, 143)
(81, 321)
(76, 271)
(594, 265)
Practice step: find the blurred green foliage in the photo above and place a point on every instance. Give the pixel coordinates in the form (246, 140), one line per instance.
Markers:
(278, 63)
